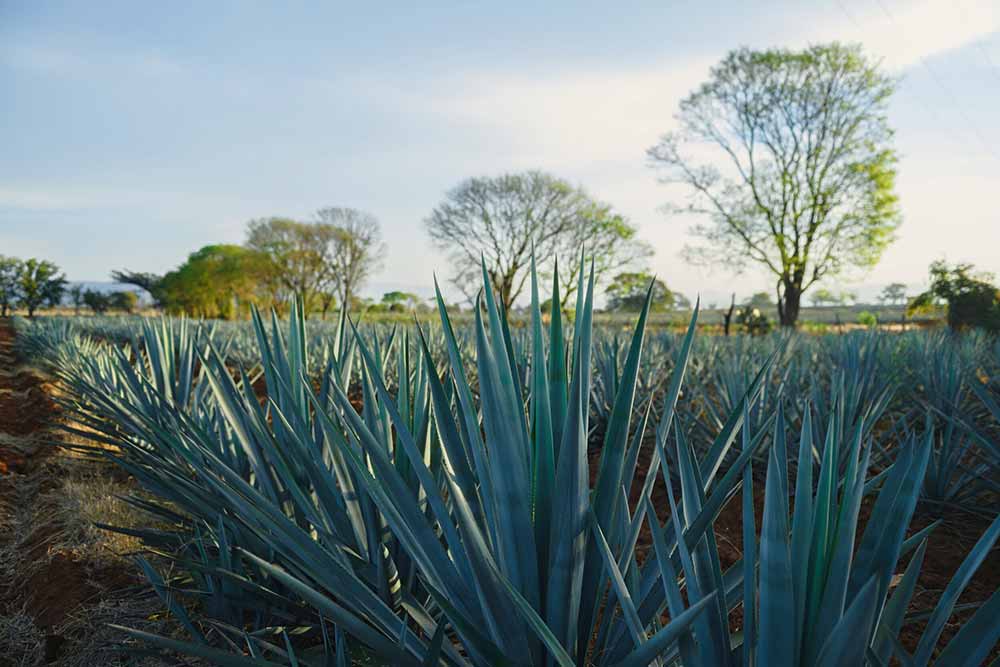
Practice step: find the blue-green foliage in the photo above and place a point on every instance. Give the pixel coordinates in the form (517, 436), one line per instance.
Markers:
(424, 494)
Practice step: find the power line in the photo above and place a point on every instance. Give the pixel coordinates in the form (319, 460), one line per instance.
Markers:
(941, 123)
(949, 95)
(990, 65)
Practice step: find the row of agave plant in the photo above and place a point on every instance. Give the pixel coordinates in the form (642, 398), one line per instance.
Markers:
(893, 380)
(390, 502)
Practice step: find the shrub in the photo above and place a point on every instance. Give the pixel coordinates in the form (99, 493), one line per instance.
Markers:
(868, 319)
(972, 298)
(753, 321)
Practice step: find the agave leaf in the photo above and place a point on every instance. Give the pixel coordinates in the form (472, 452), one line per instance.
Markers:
(543, 457)
(557, 374)
(954, 589)
(456, 454)
(895, 608)
(844, 645)
(750, 546)
(668, 575)
(974, 640)
(666, 636)
(802, 520)
(503, 420)
(381, 644)
(221, 658)
(568, 537)
(468, 414)
(165, 592)
(624, 598)
(610, 477)
(776, 644)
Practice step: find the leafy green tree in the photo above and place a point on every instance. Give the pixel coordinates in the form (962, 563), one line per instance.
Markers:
(125, 301)
(217, 280)
(10, 268)
(99, 302)
(39, 282)
(300, 254)
(802, 182)
(627, 292)
(503, 219)
(868, 319)
(972, 298)
(827, 297)
(761, 301)
(824, 297)
(401, 301)
(893, 293)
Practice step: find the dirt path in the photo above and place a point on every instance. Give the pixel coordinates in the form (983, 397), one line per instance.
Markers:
(52, 579)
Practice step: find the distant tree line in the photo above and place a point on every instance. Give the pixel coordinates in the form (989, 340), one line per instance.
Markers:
(801, 184)
(322, 262)
(101, 302)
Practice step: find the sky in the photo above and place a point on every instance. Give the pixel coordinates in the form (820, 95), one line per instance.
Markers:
(132, 134)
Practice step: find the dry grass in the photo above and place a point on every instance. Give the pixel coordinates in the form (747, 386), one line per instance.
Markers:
(62, 579)
(23, 643)
(88, 494)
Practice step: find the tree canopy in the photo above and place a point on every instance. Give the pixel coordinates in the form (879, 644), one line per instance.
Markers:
(501, 220)
(216, 281)
(627, 292)
(760, 300)
(401, 301)
(39, 282)
(320, 261)
(300, 254)
(893, 293)
(99, 302)
(356, 251)
(801, 177)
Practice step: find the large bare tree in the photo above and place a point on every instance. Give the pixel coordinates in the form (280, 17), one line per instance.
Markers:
(301, 254)
(788, 159)
(322, 260)
(501, 219)
(356, 252)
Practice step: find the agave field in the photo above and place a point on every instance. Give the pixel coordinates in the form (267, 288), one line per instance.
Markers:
(547, 492)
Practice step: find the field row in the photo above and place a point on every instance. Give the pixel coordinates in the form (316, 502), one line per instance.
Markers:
(552, 493)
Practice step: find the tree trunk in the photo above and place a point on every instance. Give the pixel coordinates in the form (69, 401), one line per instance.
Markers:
(788, 305)
(728, 317)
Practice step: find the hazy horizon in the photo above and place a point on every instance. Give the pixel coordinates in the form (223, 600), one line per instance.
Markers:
(135, 136)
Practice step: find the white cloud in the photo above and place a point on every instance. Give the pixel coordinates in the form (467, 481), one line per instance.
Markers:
(556, 119)
(904, 32)
(562, 118)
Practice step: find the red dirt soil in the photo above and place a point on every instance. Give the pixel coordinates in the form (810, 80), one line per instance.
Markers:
(55, 583)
